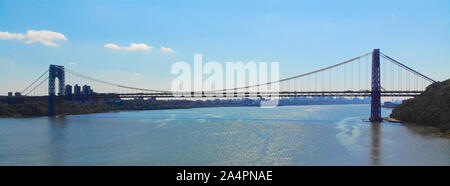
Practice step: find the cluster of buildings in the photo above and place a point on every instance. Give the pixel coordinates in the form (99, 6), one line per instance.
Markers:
(10, 94)
(78, 90)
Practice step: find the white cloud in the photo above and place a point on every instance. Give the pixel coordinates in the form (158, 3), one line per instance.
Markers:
(132, 47)
(165, 49)
(112, 46)
(10, 36)
(45, 37)
(72, 63)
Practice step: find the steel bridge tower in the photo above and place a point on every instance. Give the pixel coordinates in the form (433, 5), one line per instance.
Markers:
(375, 106)
(55, 71)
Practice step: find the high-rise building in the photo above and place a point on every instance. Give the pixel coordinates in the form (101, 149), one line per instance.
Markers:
(86, 89)
(68, 90)
(76, 89)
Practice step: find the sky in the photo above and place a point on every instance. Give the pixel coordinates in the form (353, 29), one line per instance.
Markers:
(136, 42)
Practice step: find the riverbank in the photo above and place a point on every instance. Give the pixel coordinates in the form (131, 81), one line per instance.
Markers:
(431, 108)
(439, 134)
(443, 134)
(389, 119)
(40, 108)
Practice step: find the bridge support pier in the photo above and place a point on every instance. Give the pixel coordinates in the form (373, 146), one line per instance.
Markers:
(375, 106)
(51, 105)
(55, 71)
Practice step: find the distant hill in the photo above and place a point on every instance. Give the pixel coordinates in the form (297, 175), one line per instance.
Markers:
(432, 108)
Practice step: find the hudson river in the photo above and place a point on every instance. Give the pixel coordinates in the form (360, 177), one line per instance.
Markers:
(289, 135)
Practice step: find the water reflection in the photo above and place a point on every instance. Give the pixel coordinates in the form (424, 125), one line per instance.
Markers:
(375, 144)
(56, 137)
(420, 130)
(57, 120)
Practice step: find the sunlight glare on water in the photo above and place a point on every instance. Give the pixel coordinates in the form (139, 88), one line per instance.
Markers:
(290, 135)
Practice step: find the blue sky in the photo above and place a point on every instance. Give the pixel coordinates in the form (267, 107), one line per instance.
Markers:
(301, 35)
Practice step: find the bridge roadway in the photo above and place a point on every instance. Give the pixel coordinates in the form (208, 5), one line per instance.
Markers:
(168, 94)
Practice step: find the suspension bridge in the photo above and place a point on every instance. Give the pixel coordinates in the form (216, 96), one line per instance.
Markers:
(373, 74)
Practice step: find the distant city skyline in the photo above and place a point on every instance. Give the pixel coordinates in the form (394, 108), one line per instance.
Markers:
(136, 42)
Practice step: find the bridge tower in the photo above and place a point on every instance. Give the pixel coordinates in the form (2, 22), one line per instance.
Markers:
(55, 71)
(375, 106)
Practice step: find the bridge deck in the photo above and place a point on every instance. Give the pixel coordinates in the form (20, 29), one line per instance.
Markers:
(237, 94)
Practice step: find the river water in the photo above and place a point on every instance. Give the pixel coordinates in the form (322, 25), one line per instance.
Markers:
(289, 135)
